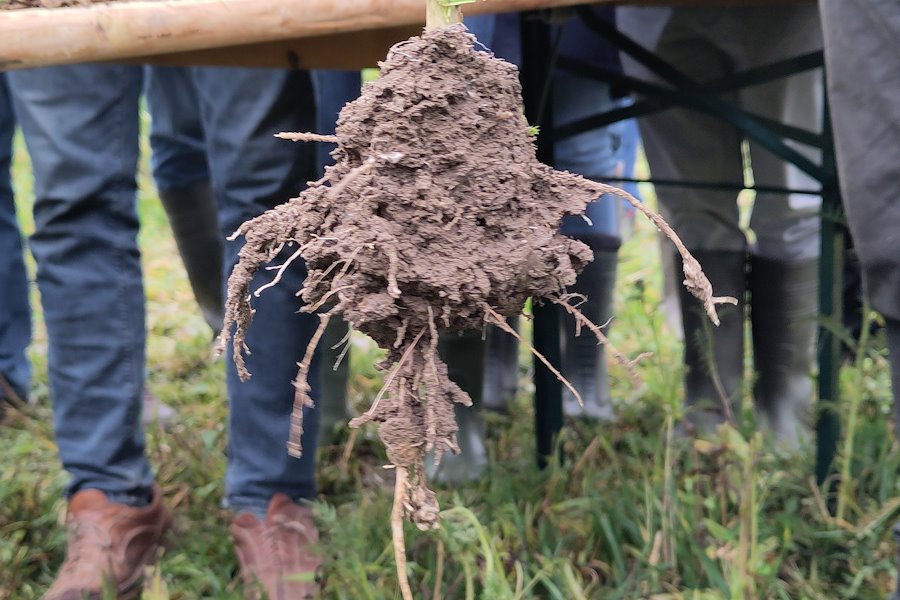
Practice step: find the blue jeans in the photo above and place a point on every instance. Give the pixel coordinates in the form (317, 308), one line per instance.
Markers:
(15, 311)
(81, 127)
(176, 128)
(593, 154)
(333, 90)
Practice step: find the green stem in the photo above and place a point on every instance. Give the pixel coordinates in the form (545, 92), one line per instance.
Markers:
(440, 13)
(852, 415)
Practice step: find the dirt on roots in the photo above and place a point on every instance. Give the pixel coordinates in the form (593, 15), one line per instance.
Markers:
(436, 217)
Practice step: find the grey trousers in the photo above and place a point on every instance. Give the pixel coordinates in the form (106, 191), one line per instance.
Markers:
(707, 43)
(862, 55)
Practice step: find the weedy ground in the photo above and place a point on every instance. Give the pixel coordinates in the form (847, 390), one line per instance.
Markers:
(632, 512)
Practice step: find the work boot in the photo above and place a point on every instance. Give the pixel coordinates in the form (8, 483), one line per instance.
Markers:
(584, 358)
(109, 545)
(464, 356)
(712, 352)
(501, 368)
(276, 556)
(194, 218)
(783, 309)
(334, 404)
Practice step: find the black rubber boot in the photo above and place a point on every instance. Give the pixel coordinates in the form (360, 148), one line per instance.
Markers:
(714, 355)
(334, 404)
(194, 219)
(783, 309)
(464, 355)
(501, 368)
(584, 359)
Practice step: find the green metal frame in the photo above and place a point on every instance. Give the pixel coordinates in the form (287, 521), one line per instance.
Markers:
(707, 98)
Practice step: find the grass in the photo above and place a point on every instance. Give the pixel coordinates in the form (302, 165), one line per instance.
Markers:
(632, 512)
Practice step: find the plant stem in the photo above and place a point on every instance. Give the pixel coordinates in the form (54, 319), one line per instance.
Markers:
(438, 15)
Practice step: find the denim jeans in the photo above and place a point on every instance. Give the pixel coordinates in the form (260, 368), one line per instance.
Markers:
(333, 90)
(176, 128)
(81, 127)
(593, 154)
(15, 311)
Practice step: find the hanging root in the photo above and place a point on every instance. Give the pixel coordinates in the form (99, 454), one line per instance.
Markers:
(294, 136)
(401, 487)
(581, 320)
(694, 279)
(491, 316)
(301, 389)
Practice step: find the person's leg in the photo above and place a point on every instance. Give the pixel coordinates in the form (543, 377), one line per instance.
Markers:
(690, 146)
(784, 258)
(15, 311)
(333, 89)
(593, 155)
(252, 171)
(864, 101)
(864, 98)
(182, 179)
(81, 128)
(464, 356)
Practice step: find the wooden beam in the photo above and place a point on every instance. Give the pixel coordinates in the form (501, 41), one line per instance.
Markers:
(128, 30)
(348, 51)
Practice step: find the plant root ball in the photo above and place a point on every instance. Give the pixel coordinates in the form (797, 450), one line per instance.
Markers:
(435, 209)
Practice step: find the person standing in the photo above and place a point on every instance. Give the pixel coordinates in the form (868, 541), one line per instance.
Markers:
(81, 127)
(778, 271)
(15, 310)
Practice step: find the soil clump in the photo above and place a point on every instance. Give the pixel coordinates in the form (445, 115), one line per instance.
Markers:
(436, 217)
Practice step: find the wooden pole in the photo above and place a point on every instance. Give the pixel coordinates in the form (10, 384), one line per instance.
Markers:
(127, 30)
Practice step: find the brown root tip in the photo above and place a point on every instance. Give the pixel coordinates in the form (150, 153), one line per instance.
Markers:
(698, 285)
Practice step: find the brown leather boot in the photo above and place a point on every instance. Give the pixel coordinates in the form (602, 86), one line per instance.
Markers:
(275, 556)
(108, 546)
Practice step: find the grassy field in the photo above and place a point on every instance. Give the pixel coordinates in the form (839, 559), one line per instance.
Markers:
(632, 512)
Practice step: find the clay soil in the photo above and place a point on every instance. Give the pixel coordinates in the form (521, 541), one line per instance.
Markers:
(435, 215)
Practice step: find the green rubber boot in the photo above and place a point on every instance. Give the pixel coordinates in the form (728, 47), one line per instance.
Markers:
(584, 359)
(501, 368)
(194, 218)
(783, 310)
(334, 404)
(714, 356)
(464, 356)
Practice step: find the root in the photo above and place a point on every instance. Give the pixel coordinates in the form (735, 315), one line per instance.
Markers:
(500, 322)
(694, 279)
(370, 414)
(581, 320)
(301, 390)
(401, 487)
(280, 272)
(295, 136)
(347, 342)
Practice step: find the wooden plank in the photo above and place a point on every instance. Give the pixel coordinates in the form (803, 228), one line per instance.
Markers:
(350, 51)
(124, 30)
(245, 30)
